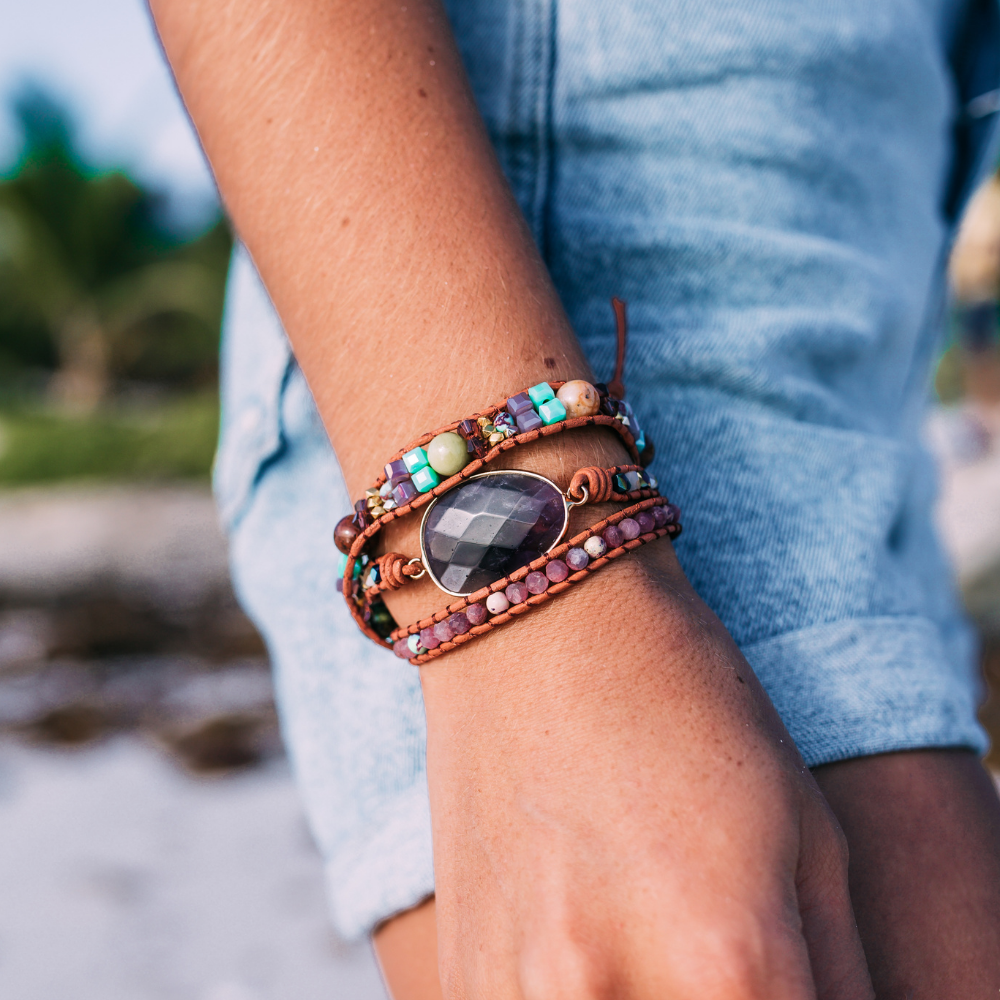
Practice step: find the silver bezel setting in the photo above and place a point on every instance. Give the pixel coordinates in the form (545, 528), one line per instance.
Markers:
(483, 475)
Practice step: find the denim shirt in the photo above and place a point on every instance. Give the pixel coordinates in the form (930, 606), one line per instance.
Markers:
(773, 188)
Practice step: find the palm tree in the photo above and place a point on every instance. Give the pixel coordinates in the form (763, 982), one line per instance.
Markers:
(84, 258)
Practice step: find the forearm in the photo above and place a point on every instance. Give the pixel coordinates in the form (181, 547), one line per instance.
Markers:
(353, 162)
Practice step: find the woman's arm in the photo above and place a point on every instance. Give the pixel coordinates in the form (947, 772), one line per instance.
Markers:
(617, 809)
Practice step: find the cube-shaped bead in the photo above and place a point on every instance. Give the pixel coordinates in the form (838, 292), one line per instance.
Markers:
(552, 411)
(425, 479)
(395, 471)
(540, 393)
(416, 459)
(404, 492)
(518, 404)
(528, 420)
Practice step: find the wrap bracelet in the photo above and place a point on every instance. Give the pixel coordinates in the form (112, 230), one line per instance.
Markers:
(528, 587)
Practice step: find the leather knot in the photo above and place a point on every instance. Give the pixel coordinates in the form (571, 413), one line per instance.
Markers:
(391, 568)
(598, 482)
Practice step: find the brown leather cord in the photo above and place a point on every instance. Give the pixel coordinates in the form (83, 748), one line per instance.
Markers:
(616, 387)
(397, 569)
(554, 589)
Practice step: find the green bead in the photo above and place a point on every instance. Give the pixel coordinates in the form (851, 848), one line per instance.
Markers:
(425, 479)
(540, 393)
(416, 459)
(552, 412)
(342, 565)
(448, 453)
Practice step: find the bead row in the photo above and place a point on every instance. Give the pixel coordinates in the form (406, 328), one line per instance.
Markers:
(536, 583)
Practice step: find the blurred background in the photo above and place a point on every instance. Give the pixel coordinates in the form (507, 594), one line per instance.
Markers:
(151, 842)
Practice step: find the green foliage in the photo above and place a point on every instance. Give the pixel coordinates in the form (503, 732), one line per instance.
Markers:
(93, 284)
(174, 440)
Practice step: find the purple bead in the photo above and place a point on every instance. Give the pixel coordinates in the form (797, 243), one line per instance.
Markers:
(468, 429)
(629, 528)
(476, 447)
(428, 639)
(537, 583)
(612, 534)
(673, 513)
(459, 623)
(577, 559)
(476, 614)
(516, 593)
(443, 631)
(659, 516)
(519, 404)
(557, 570)
(404, 492)
(528, 420)
(402, 649)
(396, 471)
(645, 521)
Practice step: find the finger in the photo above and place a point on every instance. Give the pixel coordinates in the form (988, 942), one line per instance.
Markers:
(831, 933)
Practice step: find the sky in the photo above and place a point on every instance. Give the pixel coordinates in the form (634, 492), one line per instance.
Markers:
(102, 60)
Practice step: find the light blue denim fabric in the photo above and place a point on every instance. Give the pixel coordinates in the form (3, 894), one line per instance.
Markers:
(771, 185)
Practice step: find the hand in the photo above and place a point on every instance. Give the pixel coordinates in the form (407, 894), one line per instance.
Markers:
(618, 812)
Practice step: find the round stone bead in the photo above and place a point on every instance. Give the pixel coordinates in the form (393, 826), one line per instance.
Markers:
(613, 536)
(459, 623)
(428, 639)
(415, 644)
(476, 614)
(443, 631)
(345, 533)
(580, 398)
(659, 516)
(537, 583)
(629, 528)
(645, 521)
(447, 453)
(577, 559)
(557, 571)
(497, 603)
(516, 593)
(595, 546)
(401, 648)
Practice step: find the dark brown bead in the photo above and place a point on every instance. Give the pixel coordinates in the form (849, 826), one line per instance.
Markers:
(602, 389)
(468, 429)
(648, 453)
(345, 533)
(477, 447)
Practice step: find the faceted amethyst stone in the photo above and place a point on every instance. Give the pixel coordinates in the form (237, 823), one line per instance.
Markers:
(516, 593)
(577, 559)
(404, 492)
(519, 404)
(537, 583)
(395, 471)
(459, 623)
(401, 648)
(528, 420)
(476, 614)
(613, 536)
(659, 516)
(645, 521)
(428, 639)
(557, 570)
(629, 528)
(443, 631)
(490, 526)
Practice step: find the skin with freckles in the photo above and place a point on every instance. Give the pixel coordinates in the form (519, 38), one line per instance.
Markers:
(617, 809)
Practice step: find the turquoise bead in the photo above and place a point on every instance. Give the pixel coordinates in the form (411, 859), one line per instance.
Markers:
(425, 479)
(540, 393)
(342, 565)
(416, 459)
(640, 441)
(552, 411)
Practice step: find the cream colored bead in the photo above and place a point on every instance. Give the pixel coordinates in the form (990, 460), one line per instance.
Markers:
(447, 453)
(496, 438)
(580, 398)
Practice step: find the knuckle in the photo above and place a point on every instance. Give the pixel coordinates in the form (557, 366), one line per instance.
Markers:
(559, 971)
